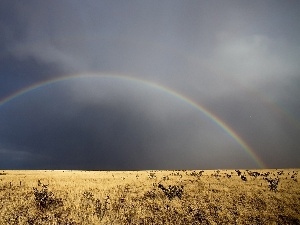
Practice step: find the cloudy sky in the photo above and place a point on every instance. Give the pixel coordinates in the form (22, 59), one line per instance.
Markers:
(149, 84)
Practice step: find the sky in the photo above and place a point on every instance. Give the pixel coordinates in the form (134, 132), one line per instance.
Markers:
(138, 85)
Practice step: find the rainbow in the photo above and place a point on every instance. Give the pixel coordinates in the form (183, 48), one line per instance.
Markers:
(151, 84)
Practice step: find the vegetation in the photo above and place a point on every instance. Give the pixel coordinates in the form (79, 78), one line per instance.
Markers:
(150, 197)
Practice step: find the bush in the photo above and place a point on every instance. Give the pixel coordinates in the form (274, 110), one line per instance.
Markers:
(172, 191)
(45, 199)
(273, 183)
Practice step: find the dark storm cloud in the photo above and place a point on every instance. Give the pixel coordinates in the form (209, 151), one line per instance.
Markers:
(13, 28)
(19, 73)
(116, 132)
(238, 59)
(16, 70)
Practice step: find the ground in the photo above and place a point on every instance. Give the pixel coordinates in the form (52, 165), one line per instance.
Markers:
(150, 197)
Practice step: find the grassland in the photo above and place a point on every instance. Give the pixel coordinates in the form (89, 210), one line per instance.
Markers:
(150, 197)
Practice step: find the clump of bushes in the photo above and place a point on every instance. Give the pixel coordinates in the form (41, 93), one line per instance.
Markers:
(98, 207)
(273, 183)
(45, 199)
(172, 191)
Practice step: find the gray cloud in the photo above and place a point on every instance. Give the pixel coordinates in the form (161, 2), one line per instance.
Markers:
(118, 131)
(237, 59)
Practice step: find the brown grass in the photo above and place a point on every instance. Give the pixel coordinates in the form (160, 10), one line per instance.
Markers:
(150, 197)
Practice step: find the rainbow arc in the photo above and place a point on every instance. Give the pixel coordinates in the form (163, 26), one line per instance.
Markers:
(166, 90)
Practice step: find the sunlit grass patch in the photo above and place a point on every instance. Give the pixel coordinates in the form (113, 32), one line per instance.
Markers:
(150, 197)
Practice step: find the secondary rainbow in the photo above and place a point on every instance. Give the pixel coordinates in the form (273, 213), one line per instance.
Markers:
(162, 88)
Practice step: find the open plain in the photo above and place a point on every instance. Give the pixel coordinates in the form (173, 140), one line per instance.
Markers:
(150, 197)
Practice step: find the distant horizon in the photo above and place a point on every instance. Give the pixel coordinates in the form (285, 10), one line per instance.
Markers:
(144, 170)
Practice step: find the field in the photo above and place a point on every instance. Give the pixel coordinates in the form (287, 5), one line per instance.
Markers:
(150, 197)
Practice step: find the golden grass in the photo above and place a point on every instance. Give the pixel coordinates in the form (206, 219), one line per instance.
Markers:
(149, 197)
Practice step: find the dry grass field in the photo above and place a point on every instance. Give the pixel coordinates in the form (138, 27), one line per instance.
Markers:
(150, 197)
